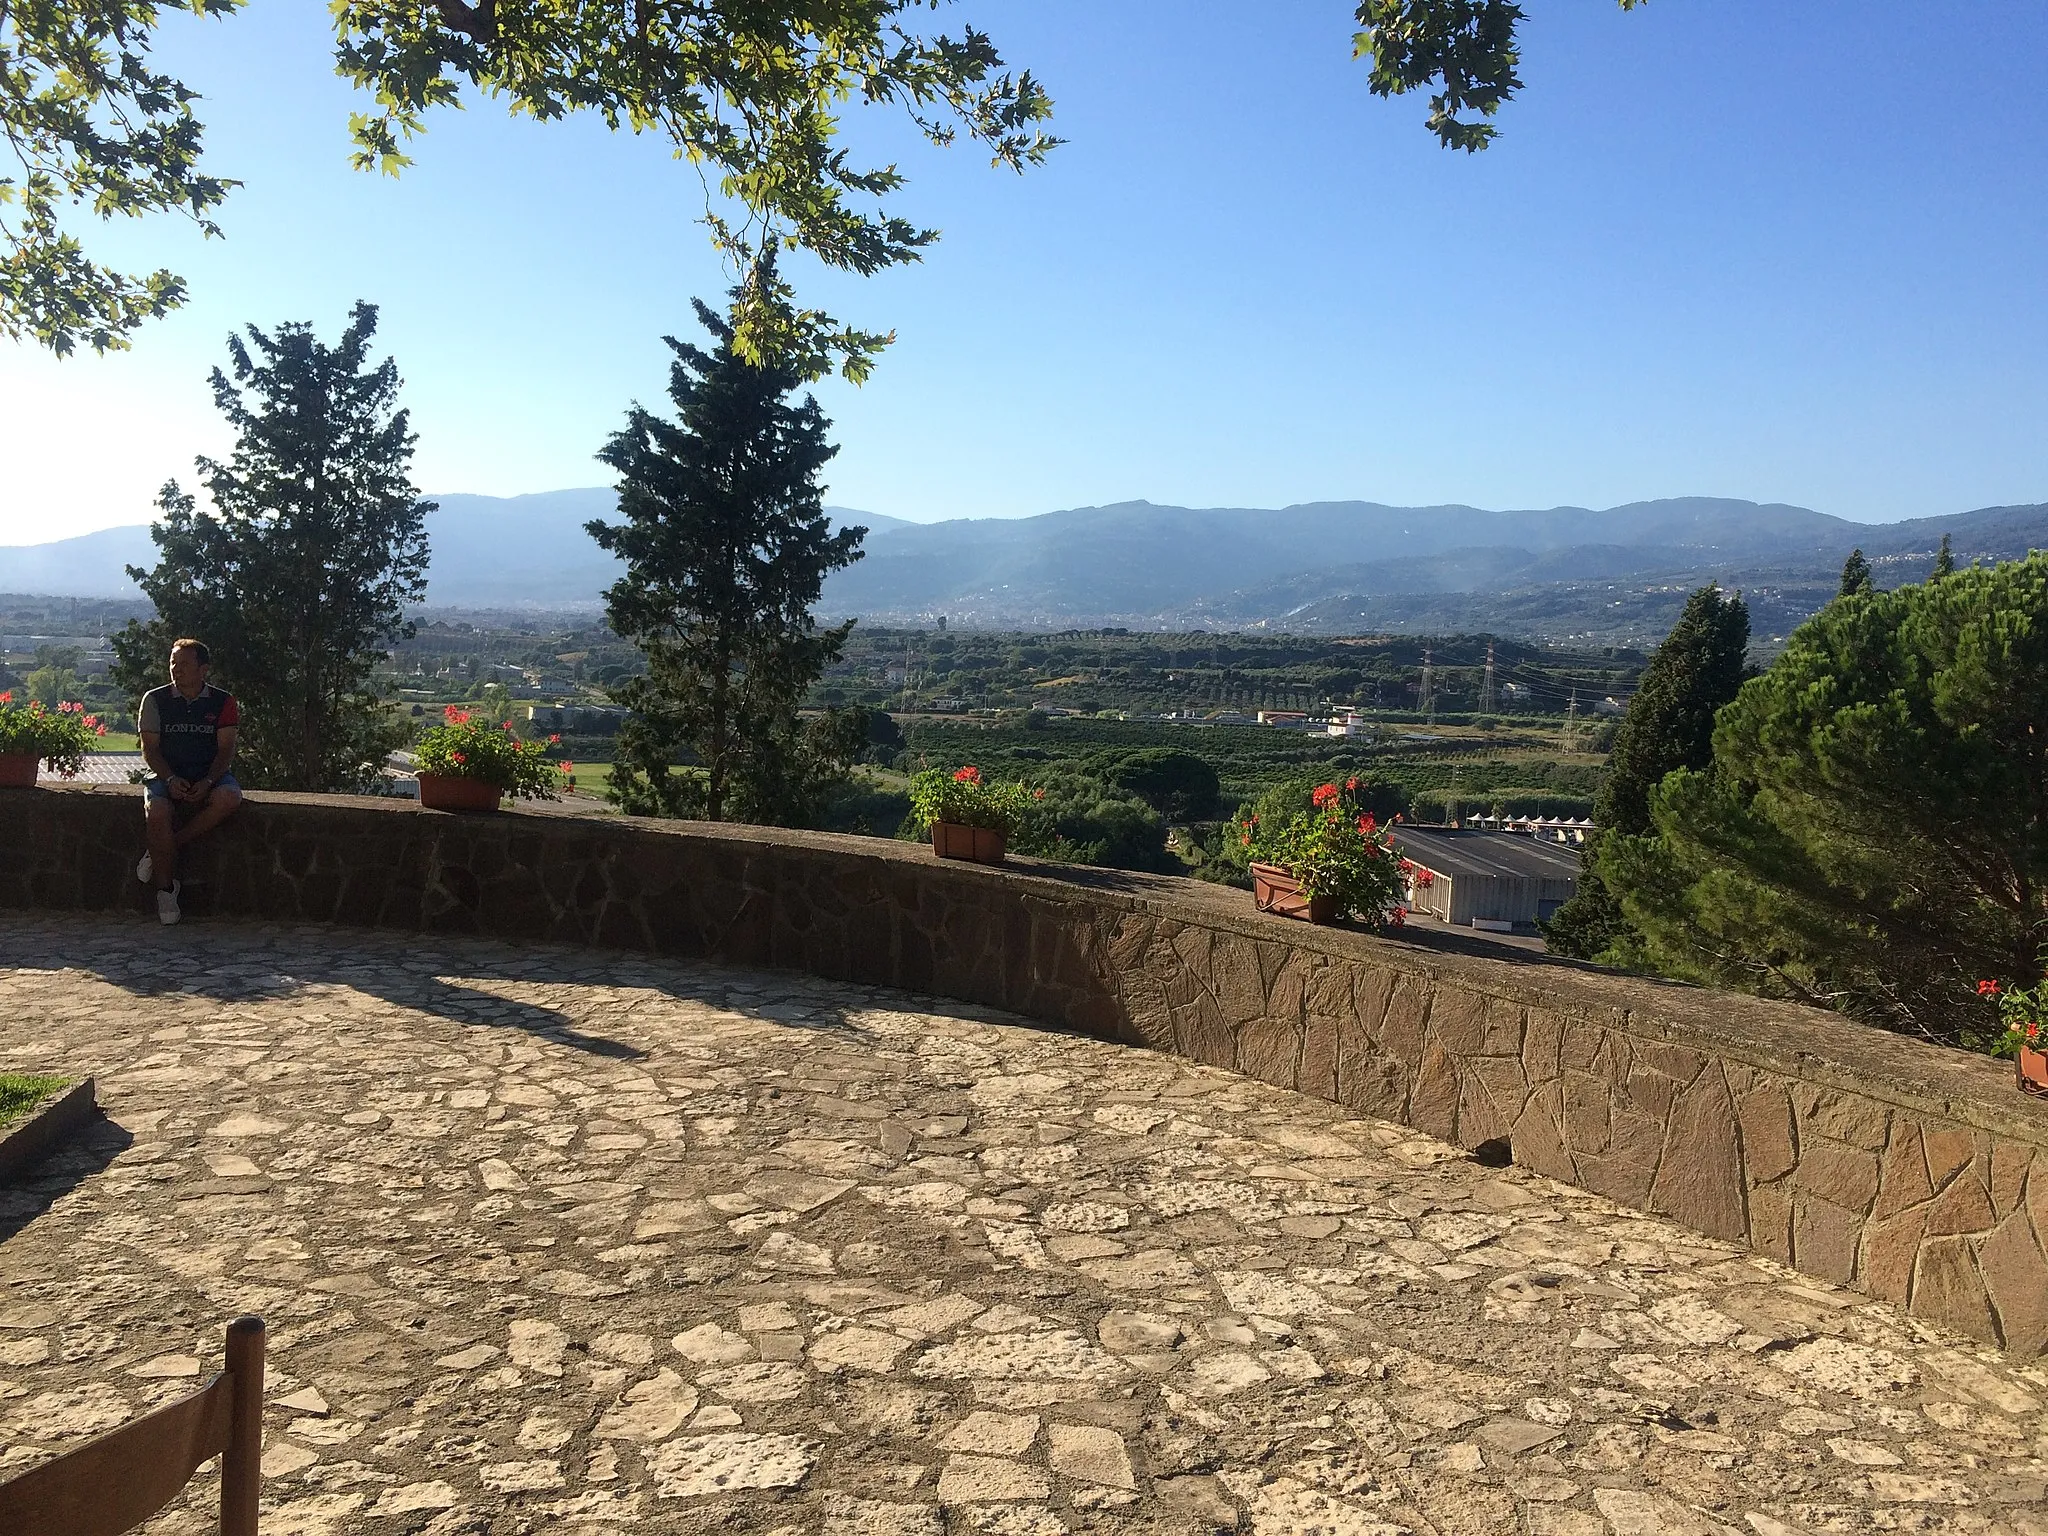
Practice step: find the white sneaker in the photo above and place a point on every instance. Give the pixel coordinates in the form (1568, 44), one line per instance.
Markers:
(144, 869)
(167, 911)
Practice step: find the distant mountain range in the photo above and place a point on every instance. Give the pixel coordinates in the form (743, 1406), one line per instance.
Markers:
(1615, 576)
(487, 551)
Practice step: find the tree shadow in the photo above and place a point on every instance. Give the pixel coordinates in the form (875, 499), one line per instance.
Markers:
(182, 972)
(87, 1152)
(478, 1009)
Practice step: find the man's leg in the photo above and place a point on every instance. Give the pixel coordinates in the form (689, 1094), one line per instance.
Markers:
(220, 805)
(163, 844)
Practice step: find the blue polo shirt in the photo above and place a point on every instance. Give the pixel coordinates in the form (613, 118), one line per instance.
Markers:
(188, 729)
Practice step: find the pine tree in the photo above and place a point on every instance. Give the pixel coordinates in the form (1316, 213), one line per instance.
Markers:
(1669, 725)
(299, 575)
(1873, 833)
(1856, 575)
(727, 547)
(1944, 561)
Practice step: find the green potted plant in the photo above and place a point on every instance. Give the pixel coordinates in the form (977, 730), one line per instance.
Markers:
(1332, 861)
(467, 764)
(2024, 1011)
(966, 817)
(31, 735)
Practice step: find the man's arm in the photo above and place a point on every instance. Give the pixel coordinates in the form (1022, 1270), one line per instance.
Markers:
(146, 724)
(153, 754)
(223, 755)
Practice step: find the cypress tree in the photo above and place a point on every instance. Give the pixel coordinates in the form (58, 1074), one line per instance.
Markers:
(727, 547)
(1856, 574)
(1669, 725)
(299, 574)
(1944, 561)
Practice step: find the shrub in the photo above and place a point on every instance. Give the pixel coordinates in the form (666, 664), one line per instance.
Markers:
(962, 799)
(2022, 1011)
(1178, 785)
(61, 736)
(464, 747)
(1337, 849)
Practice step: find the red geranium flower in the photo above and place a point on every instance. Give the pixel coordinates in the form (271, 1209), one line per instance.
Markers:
(7, 697)
(1987, 989)
(1324, 794)
(1351, 783)
(967, 775)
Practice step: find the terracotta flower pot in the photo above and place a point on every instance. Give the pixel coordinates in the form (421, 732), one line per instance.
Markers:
(2032, 1071)
(444, 792)
(978, 845)
(18, 769)
(1276, 891)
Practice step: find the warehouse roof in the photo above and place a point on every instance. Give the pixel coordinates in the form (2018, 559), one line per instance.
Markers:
(1458, 851)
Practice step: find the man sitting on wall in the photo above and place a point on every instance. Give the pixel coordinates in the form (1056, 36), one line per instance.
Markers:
(188, 730)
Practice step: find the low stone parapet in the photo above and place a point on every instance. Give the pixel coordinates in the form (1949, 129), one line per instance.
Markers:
(1913, 1173)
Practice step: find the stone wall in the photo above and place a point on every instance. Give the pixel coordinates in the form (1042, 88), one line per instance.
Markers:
(1915, 1174)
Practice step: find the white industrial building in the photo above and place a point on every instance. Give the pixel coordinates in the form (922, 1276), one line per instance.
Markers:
(1494, 880)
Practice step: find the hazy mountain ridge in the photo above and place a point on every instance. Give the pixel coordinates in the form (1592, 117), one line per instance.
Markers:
(486, 549)
(1615, 574)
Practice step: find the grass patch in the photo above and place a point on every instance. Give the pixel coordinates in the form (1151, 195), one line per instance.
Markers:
(19, 1095)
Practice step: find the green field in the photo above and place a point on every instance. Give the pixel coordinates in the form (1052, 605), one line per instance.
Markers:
(1524, 771)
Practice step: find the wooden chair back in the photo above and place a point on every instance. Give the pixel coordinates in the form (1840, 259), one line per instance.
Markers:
(115, 1482)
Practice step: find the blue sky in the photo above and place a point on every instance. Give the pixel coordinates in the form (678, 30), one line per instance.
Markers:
(1724, 247)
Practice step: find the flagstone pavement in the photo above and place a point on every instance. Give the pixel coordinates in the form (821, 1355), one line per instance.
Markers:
(568, 1240)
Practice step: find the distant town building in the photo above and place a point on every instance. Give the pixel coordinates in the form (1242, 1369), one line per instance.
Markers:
(1484, 879)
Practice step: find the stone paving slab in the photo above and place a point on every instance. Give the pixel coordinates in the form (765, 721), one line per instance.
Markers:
(579, 1241)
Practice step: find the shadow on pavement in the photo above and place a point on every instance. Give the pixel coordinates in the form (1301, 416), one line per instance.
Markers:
(69, 1165)
(180, 966)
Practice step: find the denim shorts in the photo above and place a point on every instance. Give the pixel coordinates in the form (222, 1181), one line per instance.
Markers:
(154, 790)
